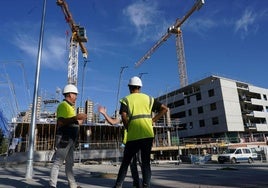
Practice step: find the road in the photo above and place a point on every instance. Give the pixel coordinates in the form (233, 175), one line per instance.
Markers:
(163, 176)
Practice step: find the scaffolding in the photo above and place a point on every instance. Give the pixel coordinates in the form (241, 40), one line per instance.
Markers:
(102, 141)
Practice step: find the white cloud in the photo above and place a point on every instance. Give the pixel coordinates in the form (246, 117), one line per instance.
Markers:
(247, 20)
(144, 15)
(200, 25)
(53, 52)
(26, 43)
(141, 14)
(250, 21)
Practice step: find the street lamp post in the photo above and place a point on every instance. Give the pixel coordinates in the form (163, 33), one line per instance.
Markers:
(142, 73)
(116, 110)
(83, 77)
(29, 169)
(118, 90)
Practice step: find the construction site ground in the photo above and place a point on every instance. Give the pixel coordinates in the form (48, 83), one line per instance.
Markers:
(164, 175)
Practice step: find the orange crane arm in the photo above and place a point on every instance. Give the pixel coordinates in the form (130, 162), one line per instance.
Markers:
(178, 23)
(67, 14)
(74, 28)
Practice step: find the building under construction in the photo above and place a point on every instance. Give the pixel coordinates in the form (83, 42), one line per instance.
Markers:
(204, 117)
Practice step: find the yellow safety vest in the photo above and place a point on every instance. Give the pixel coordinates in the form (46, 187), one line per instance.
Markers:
(65, 110)
(125, 136)
(140, 124)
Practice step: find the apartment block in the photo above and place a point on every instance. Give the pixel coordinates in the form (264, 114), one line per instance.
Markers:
(218, 107)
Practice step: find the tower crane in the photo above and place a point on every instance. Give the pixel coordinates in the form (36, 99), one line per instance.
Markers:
(77, 40)
(175, 29)
(181, 56)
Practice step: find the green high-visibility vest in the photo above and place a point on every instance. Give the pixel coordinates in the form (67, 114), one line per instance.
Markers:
(140, 124)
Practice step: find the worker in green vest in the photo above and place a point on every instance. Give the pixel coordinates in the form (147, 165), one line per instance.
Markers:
(133, 164)
(66, 136)
(136, 114)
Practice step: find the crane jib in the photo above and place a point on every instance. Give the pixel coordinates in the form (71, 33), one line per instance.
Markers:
(178, 23)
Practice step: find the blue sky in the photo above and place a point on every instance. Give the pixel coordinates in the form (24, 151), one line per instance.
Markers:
(225, 37)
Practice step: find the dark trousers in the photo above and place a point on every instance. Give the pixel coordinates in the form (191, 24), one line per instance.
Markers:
(131, 149)
(134, 172)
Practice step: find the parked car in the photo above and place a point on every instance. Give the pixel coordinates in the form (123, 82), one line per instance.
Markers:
(241, 154)
(255, 153)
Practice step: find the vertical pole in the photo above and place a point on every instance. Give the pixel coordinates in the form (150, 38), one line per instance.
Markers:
(29, 170)
(118, 90)
(83, 77)
(117, 111)
(142, 73)
(178, 142)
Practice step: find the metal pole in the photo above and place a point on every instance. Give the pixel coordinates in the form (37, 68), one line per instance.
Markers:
(118, 91)
(178, 142)
(83, 77)
(117, 111)
(29, 170)
(142, 73)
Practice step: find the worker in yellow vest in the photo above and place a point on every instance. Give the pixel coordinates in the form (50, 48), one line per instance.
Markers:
(68, 123)
(136, 114)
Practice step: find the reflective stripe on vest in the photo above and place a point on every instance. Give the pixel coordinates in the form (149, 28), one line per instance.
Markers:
(133, 117)
(140, 124)
(139, 116)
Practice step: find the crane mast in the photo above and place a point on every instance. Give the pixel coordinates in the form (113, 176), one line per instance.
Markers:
(73, 62)
(175, 29)
(181, 59)
(77, 40)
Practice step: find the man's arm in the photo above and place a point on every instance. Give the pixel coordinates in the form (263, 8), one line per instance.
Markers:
(110, 120)
(124, 117)
(163, 110)
(78, 119)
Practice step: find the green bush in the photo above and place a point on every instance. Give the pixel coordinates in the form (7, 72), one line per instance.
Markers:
(3, 143)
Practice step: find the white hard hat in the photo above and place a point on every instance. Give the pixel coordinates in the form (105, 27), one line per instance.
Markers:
(135, 81)
(70, 88)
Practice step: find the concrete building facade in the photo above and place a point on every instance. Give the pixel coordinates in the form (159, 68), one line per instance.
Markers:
(220, 108)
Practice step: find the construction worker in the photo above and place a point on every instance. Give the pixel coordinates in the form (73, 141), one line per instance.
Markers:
(133, 164)
(136, 114)
(66, 136)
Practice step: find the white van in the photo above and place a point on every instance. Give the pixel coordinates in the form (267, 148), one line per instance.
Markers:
(241, 154)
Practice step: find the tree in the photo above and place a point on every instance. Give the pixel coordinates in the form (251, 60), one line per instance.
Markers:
(3, 142)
